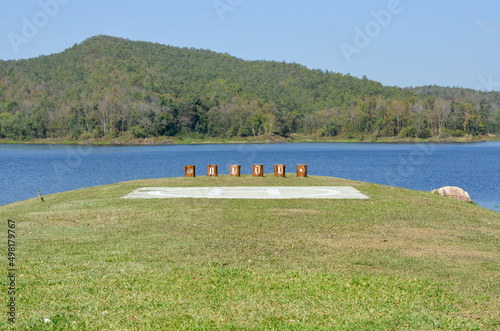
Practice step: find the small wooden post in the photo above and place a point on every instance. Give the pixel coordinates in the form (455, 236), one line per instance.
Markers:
(301, 170)
(258, 170)
(212, 170)
(279, 170)
(189, 171)
(235, 170)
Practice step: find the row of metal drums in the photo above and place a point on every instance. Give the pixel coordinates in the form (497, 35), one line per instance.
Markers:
(235, 170)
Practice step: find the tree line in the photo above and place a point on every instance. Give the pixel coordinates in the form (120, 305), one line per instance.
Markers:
(107, 87)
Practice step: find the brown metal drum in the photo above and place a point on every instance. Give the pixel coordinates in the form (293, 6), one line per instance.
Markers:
(279, 170)
(301, 170)
(190, 171)
(212, 170)
(235, 170)
(258, 170)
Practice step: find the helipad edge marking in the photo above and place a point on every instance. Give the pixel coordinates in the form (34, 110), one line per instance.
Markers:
(248, 192)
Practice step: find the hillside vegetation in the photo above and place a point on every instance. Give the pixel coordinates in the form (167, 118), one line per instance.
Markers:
(109, 87)
(89, 260)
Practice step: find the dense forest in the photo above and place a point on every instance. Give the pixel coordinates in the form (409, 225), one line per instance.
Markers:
(107, 87)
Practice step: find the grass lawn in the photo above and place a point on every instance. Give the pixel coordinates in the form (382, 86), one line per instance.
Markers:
(89, 260)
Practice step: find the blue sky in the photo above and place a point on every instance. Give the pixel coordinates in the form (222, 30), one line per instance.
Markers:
(396, 42)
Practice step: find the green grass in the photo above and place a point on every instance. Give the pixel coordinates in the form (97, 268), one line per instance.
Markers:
(403, 259)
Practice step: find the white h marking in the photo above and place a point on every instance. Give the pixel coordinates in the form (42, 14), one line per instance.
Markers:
(215, 192)
(273, 192)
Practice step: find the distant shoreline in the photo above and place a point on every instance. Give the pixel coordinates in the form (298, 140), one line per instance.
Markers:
(265, 139)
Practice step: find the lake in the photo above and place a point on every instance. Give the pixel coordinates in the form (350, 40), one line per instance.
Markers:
(24, 169)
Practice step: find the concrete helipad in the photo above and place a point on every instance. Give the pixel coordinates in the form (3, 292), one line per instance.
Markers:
(248, 192)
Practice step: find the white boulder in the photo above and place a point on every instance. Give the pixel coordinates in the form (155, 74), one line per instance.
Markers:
(453, 192)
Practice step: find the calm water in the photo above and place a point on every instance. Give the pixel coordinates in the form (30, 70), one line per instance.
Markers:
(24, 169)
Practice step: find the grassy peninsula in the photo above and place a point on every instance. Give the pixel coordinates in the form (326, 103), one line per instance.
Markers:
(89, 260)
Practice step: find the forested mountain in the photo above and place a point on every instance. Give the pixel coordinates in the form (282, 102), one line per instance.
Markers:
(107, 87)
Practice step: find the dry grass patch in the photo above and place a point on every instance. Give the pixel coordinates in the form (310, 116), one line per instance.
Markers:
(433, 250)
(293, 212)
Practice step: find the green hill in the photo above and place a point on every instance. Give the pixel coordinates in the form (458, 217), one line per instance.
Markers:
(403, 259)
(109, 87)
